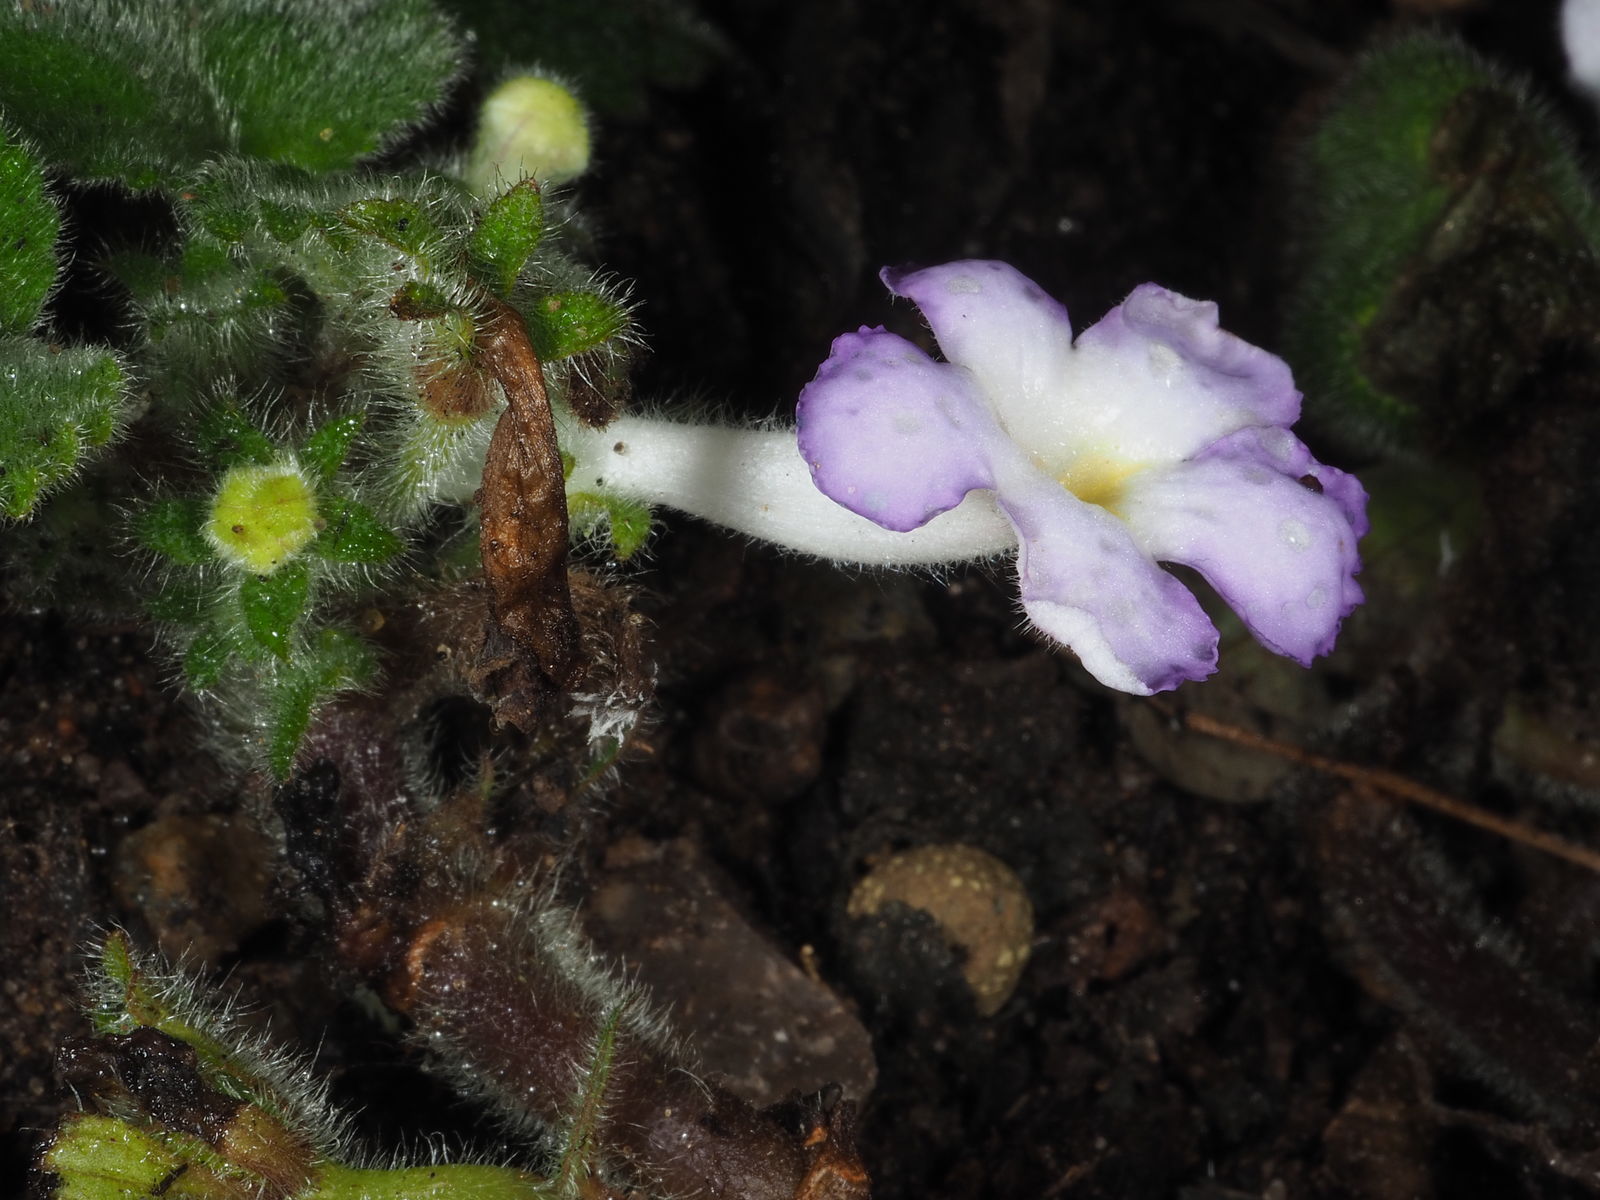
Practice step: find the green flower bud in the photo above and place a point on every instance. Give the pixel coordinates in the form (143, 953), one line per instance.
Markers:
(262, 516)
(529, 126)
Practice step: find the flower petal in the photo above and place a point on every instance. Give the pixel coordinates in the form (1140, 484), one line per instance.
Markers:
(1270, 528)
(892, 435)
(1087, 584)
(1155, 381)
(997, 323)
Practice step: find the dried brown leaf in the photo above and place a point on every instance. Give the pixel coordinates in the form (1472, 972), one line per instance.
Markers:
(524, 523)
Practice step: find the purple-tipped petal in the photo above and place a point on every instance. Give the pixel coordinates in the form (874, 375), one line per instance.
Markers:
(997, 323)
(1247, 375)
(1157, 379)
(892, 435)
(1288, 455)
(1280, 448)
(1086, 584)
(1271, 529)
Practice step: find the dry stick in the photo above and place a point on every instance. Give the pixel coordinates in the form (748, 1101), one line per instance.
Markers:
(1395, 785)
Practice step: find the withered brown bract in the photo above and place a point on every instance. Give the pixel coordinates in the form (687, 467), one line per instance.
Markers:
(524, 518)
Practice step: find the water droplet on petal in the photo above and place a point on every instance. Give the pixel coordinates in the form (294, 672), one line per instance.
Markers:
(1278, 442)
(1294, 533)
(1165, 363)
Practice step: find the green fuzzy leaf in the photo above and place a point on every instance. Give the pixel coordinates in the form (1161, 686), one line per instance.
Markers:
(212, 317)
(230, 198)
(103, 1158)
(398, 223)
(1371, 198)
(137, 993)
(105, 89)
(507, 234)
(55, 405)
(144, 91)
(285, 222)
(227, 223)
(354, 534)
(228, 438)
(327, 231)
(206, 659)
(338, 658)
(561, 324)
(336, 661)
(630, 527)
(216, 313)
(145, 275)
(172, 527)
(273, 603)
(203, 256)
(288, 718)
(28, 228)
(325, 450)
(261, 290)
(626, 522)
(417, 301)
(324, 85)
(110, 1011)
(1447, 238)
(180, 603)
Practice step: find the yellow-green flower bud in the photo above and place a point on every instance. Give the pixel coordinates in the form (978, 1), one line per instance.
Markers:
(262, 516)
(529, 126)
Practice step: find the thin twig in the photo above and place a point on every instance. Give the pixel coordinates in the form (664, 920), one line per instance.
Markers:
(1396, 786)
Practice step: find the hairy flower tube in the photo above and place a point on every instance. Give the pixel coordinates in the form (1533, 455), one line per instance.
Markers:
(1154, 437)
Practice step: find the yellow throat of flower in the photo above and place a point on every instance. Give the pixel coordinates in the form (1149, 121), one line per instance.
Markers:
(1098, 478)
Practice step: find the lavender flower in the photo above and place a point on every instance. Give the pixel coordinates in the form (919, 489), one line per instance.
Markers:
(1156, 436)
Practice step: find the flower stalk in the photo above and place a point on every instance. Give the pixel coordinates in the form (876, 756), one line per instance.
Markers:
(755, 482)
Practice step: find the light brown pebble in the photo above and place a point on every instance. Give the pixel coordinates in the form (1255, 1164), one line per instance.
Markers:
(978, 901)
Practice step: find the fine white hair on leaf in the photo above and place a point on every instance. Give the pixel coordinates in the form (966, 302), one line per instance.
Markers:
(281, 1078)
(534, 929)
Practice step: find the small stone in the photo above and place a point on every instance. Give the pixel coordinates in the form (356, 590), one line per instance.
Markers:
(199, 881)
(978, 902)
(761, 1023)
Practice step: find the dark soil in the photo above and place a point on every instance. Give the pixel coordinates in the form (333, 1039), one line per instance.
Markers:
(1248, 976)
